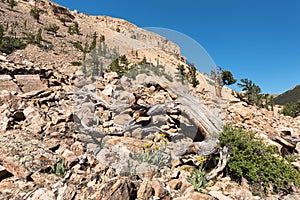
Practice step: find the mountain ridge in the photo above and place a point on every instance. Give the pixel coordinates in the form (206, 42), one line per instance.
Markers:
(290, 96)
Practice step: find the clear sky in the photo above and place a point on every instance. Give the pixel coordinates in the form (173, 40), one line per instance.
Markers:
(255, 39)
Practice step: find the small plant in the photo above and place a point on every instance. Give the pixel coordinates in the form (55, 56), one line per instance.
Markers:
(153, 156)
(12, 3)
(253, 160)
(29, 37)
(102, 38)
(76, 63)
(59, 168)
(94, 42)
(198, 178)
(74, 29)
(192, 75)
(63, 20)
(154, 153)
(53, 28)
(181, 74)
(35, 13)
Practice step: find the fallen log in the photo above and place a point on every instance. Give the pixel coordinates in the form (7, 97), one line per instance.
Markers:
(284, 142)
(206, 121)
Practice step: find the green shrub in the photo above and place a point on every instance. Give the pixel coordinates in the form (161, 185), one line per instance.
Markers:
(52, 28)
(35, 13)
(74, 29)
(291, 109)
(76, 63)
(1, 32)
(63, 20)
(12, 3)
(9, 44)
(29, 38)
(253, 160)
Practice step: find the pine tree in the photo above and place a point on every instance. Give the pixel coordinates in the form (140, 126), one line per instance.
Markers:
(1, 33)
(181, 74)
(12, 3)
(252, 92)
(221, 77)
(94, 42)
(38, 37)
(35, 13)
(192, 75)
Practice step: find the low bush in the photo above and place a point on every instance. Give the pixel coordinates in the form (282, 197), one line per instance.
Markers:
(53, 28)
(291, 109)
(258, 163)
(9, 44)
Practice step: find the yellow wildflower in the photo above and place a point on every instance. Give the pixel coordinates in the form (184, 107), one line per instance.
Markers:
(201, 159)
(146, 145)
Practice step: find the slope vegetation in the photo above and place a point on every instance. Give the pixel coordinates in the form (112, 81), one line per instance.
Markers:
(290, 96)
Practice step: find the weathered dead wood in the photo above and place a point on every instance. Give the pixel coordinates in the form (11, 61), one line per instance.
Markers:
(207, 122)
(221, 164)
(100, 100)
(284, 142)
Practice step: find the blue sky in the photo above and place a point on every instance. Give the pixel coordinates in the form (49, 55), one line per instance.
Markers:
(255, 39)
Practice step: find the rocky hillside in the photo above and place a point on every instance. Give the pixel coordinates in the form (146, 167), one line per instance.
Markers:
(290, 96)
(94, 108)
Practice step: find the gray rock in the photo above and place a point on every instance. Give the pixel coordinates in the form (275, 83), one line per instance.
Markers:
(122, 119)
(145, 170)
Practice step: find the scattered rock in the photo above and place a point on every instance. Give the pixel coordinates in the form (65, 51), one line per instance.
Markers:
(108, 91)
(111, 76)
(175, 184)
(159, 188)
(6, 83)
(197, 196)
(22, 155)
(298, 147)
(66, 192)
(35, 119)
(43, 194)
(70, 158)
(218, 195)
(29, 83)
(118, 189)
(145, 191)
